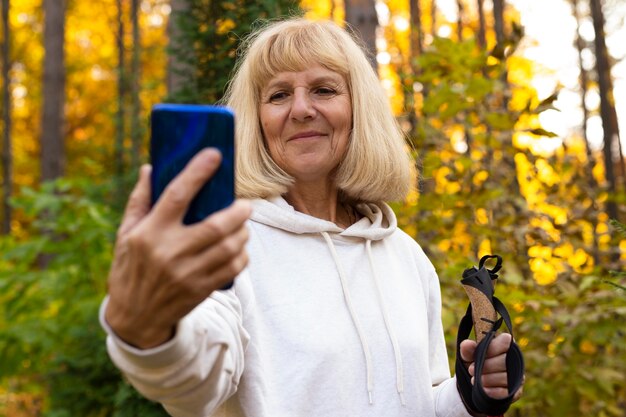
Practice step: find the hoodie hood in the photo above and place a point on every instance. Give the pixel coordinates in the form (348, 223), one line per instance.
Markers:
(377, 219)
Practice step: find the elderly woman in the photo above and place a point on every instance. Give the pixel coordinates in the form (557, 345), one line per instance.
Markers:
(337, 312)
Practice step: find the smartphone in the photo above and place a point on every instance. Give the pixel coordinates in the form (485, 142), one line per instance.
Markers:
(178, 132)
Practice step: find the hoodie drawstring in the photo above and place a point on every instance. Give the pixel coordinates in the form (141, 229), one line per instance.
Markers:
(390, 332)
(357, 324)
(355, 319)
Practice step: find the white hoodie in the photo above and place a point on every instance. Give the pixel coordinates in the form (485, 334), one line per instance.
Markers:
(323, 322)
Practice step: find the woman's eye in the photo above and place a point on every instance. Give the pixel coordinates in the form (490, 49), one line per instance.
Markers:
(325, 91)
(278, 96)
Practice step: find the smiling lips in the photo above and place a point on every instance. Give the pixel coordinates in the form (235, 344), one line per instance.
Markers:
(305, 135)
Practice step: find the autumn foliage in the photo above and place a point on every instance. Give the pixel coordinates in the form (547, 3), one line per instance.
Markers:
(487, 184)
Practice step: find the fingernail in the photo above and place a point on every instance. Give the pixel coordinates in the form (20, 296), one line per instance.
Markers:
(213, 156)
(144, 170)
(243, 204)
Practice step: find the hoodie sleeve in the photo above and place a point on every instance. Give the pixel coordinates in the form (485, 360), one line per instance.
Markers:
(196, 371)
(446, 397)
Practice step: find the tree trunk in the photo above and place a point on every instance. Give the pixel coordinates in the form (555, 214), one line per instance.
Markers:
(7, 154)
(363, 20)
(416, 47)
(135, 126)
(52, 129)
(622, 158)
(498, 17)
(459, 22)
(584, 81)
(433, 18)
(121, 93)
(180, 68)
(520, 207)
(417, 32)
(482, 41)
(607, 105)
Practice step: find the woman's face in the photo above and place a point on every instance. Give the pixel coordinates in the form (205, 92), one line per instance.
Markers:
(306, 117)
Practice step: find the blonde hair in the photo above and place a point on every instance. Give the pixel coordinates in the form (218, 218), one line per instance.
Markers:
(376, 167)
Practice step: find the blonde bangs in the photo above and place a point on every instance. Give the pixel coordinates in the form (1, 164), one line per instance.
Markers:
(294, 46)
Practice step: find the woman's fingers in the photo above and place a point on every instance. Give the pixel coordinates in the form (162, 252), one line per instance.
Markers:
(138, 204)
(491, 365)
(468, 350)
(499, 345)
(494, 374)
(226, 272)
(494, 380)
(174, 201)
(218, 264)
(162, 271)
(182, 295)
(495, 358)
(216, 227)
(495, 361)
(162, 268)
(496, 386)
(496, 392)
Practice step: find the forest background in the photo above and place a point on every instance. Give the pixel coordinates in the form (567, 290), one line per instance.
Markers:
(79, 79)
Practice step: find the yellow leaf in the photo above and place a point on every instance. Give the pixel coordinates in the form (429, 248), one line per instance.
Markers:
(481, 216)
(480, 177)
(453, 187)
(444, 245)
(484, 248)
(412, 198)
(224, 26)
(545, 172)
(598, 172)
(579, 258)
(588, 348)
(522, 342)
(602, 228)
(518, 307)
(564, 250)
(544, 272)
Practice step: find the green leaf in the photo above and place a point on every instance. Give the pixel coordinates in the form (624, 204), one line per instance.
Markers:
(542, 132)
(499, 120)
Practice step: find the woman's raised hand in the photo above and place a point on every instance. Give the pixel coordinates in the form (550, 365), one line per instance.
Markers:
(162, 268)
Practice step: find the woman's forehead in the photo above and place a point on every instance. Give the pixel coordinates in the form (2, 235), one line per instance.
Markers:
(313, 74)
(309, 69)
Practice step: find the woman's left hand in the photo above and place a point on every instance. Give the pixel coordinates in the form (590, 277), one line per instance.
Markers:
(494, 378)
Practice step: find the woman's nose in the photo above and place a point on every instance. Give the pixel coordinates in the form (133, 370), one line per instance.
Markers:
(302, 107)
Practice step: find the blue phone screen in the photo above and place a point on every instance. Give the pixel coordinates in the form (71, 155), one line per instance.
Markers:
(179, 131)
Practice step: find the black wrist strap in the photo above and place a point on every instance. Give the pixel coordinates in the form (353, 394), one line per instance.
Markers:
(474, 396)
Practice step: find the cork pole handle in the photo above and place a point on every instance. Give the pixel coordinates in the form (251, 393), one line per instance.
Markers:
(483, 313)
(479, 285)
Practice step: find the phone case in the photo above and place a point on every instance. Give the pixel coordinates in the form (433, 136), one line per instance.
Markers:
(179, 131)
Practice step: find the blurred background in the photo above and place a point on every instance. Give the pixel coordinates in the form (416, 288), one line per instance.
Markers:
(512, 110)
